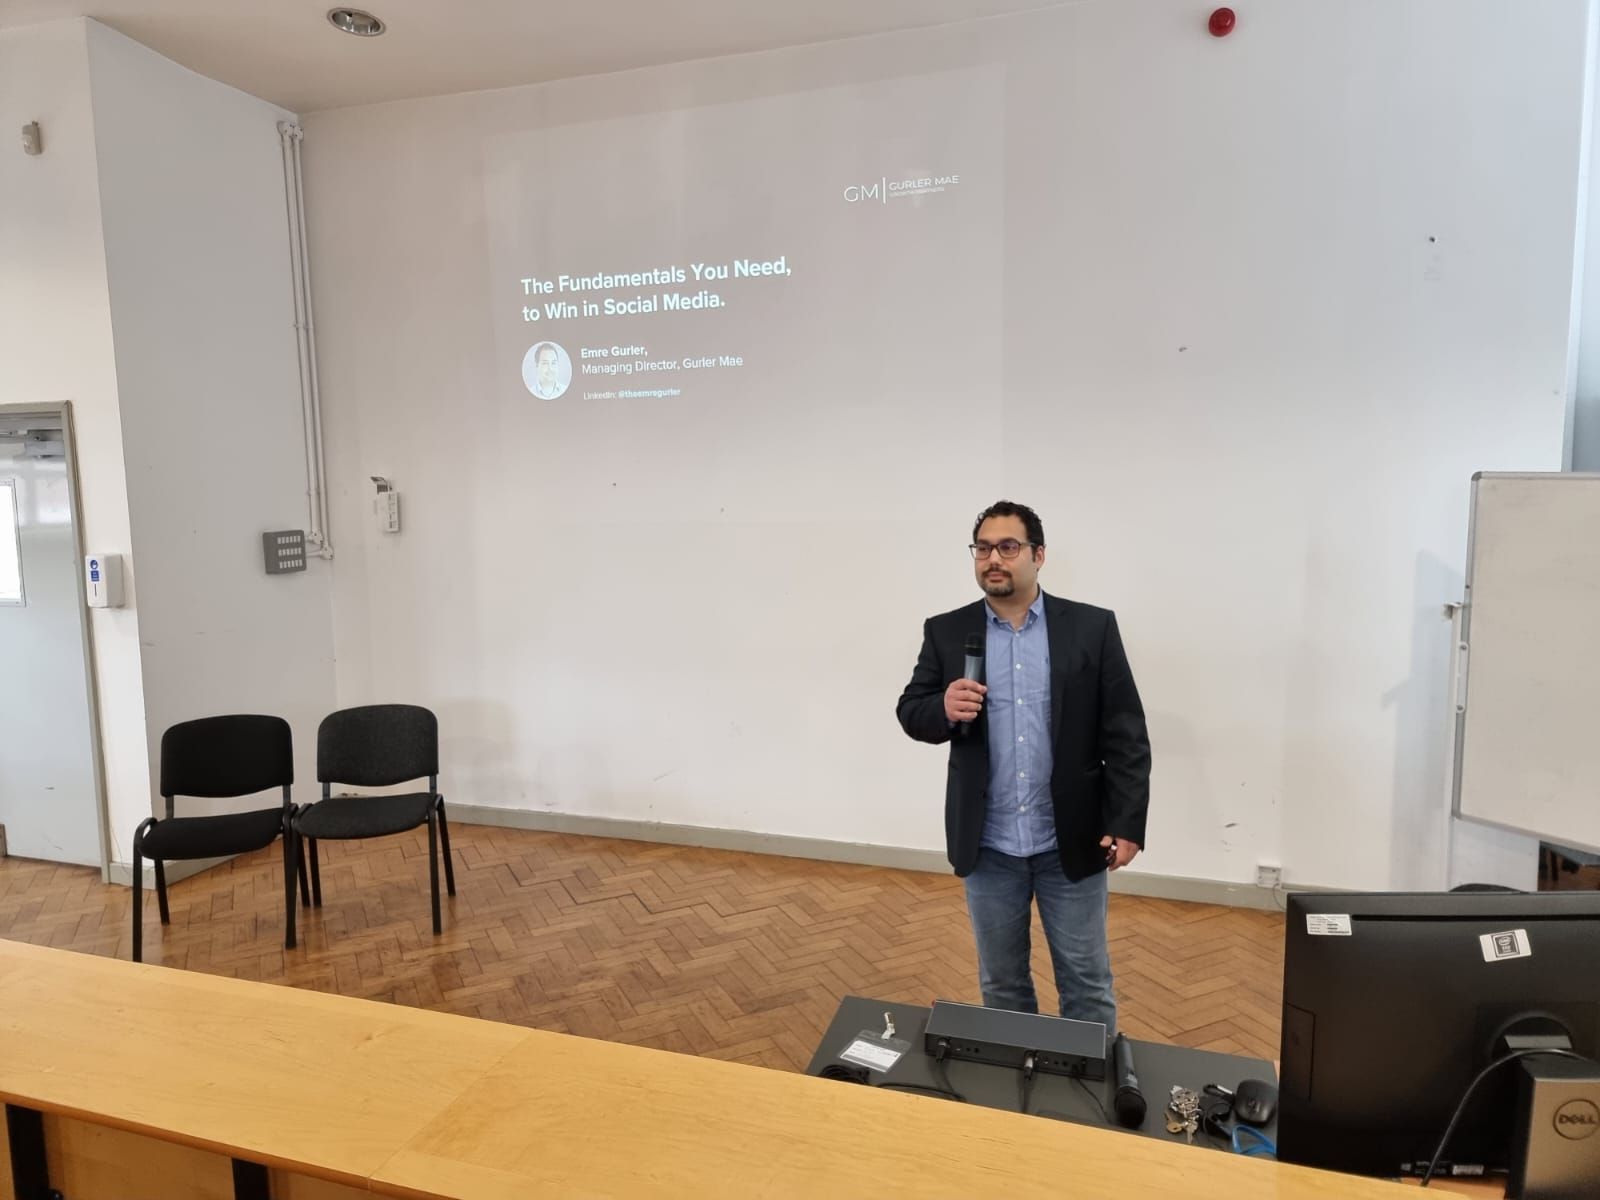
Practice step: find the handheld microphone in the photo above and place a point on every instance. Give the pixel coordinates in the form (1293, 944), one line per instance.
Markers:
(974, 666)
(1129, 1101)
(975, 648)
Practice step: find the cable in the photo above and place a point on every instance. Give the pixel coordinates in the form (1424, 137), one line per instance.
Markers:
(845, 1074)
(1025, 1082)
(941, 1074)
(922, 1087)
(860, 1075)
(1079, 1081)
(1221, 1143)
(1216, 1110)
(1433, 1163)
(1265, 1144)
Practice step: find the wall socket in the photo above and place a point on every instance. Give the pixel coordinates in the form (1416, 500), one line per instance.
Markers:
(1268, 875)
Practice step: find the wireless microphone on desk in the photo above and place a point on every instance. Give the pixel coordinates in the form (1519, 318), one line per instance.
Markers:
(1129, 1102)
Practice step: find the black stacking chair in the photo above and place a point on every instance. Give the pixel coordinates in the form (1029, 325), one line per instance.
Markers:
(378, 745)
(217, 757)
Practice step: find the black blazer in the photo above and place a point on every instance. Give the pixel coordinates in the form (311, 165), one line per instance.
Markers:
(1100, 775)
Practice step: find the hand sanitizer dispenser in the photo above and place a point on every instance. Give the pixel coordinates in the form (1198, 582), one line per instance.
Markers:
(102, 580)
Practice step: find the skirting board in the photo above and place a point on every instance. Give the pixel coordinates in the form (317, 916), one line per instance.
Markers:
(1128, 882)
(123, 872)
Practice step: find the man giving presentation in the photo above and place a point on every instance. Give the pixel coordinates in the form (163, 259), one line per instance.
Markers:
(1049, 778)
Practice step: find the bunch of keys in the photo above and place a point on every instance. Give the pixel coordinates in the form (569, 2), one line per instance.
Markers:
(1183, 1112)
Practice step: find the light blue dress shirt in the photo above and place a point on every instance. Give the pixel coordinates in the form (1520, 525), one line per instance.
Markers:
(1020, 821)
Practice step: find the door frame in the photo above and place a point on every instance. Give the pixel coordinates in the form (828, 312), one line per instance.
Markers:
(62, 411)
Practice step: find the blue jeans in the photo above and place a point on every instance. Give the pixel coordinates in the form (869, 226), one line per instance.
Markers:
(1000, 893)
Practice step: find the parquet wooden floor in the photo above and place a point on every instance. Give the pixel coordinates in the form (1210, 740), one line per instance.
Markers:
(732, 955)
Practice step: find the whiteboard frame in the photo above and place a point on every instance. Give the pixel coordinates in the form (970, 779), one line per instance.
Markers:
(1460, 694)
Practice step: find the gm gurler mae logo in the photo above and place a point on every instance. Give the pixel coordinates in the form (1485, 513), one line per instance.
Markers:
(883, 189)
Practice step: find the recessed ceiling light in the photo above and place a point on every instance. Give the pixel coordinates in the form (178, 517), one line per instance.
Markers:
(354, 20)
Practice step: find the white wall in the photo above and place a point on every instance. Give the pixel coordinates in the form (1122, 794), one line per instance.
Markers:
(197, 259)
(1269, 303)
(55, 342)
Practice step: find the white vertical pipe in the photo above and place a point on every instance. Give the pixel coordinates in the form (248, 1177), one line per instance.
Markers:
(307, 418)
(326, 548)
(1582, 443)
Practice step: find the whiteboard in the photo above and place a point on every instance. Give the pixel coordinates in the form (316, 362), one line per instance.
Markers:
(1528, 698)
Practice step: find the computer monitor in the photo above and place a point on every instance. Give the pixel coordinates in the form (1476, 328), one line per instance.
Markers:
(1393, 1002)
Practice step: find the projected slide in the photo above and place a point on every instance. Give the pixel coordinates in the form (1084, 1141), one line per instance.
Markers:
(781, 268)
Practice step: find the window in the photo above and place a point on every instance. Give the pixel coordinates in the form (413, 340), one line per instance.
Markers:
(10, 546)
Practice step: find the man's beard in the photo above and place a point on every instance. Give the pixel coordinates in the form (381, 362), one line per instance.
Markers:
(1001, 587)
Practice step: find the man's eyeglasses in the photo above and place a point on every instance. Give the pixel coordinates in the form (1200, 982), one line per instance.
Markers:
(1008, 548)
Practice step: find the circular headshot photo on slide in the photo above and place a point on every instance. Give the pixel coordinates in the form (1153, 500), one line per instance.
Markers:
(547, 370)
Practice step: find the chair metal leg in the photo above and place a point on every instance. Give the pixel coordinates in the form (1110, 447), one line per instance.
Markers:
(444, 842)
(161, 892)
(289, 859)
(138, 903)
(316, 876)
(433, 870)
(300, 869)
(138, 887)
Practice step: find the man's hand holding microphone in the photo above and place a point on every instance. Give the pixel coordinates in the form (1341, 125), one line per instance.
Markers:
(962, 700)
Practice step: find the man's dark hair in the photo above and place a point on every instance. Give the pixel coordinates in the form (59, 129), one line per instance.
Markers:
(538, 351)
(1006, 508)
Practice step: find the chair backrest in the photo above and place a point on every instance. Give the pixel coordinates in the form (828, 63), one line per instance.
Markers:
(226, 756)
(377, 745)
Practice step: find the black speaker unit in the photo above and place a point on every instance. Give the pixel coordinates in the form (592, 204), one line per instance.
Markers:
(1060, 1046)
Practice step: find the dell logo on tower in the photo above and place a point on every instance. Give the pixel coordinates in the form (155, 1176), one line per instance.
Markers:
(1577, 1119)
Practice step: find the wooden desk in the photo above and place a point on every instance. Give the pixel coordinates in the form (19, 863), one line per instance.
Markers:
(328, 1086)
(1464, 1187)
(560, 1116)
(416, 1104)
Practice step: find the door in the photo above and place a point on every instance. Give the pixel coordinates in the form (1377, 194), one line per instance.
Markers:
(48, 800)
